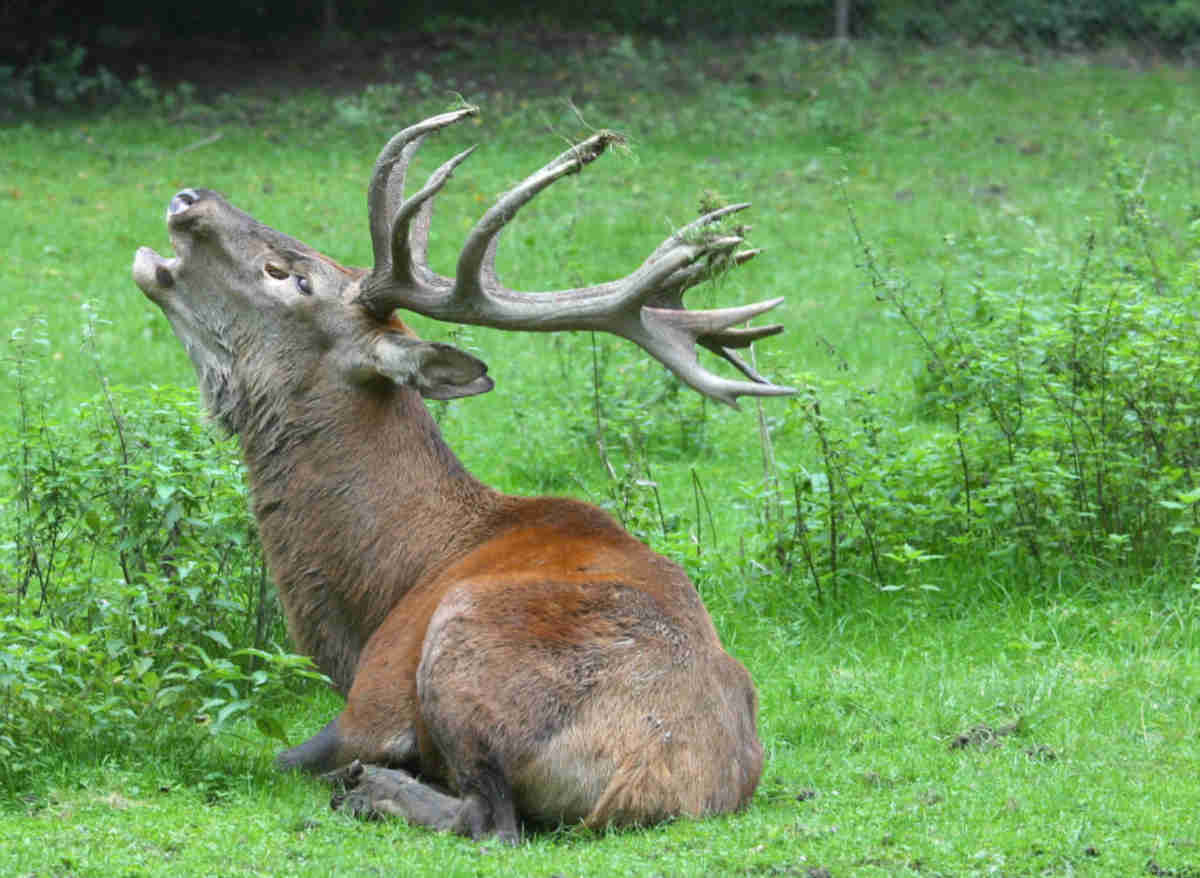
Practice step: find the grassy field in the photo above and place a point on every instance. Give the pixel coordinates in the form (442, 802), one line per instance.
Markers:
(888, 755)
(972, 716)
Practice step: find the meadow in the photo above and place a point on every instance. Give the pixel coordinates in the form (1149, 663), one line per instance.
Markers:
(961, 563)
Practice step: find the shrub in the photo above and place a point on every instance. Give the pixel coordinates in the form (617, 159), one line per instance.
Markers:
(1057, 424)
(1056, 24)
(133, 570)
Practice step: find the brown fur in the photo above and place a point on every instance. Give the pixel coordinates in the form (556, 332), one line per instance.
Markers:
(528, 654)
(540, 636)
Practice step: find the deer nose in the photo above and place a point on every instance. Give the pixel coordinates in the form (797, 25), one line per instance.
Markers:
(183, 199)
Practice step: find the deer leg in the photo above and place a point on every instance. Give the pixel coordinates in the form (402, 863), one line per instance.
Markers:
(345, 739)
(373, 791)
(316, 755)
(464, 726)
(488, 806)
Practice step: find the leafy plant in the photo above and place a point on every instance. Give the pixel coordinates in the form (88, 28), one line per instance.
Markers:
(59, 78)
(133, 570)
(1066, 422)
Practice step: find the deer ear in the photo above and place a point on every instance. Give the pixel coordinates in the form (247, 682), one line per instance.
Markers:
(448, 373)
(436, 371)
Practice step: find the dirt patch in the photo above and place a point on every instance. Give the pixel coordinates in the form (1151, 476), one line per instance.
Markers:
(490, 60)
(1153, 868)
(983, 736)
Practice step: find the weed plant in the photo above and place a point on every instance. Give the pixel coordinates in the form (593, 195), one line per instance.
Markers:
(133, 570)
(960, 563)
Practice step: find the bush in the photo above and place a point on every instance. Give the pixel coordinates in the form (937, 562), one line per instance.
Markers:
(1057, 424)
(132, 571)
(59, 78)
(1056, 24)
(1078, 408)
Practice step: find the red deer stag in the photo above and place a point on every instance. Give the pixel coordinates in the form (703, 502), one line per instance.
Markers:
(527, 658)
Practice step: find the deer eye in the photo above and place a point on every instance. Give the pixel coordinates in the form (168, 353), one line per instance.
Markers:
(304, 285)
(276, 272)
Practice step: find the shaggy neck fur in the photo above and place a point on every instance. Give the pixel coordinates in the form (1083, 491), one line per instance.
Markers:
(357, 498)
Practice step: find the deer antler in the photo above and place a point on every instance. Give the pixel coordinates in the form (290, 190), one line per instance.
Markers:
(645, 307)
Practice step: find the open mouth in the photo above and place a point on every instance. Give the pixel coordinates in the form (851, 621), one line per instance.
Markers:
(153, 273)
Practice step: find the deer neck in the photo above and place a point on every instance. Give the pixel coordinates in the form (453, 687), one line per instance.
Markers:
(358, 500)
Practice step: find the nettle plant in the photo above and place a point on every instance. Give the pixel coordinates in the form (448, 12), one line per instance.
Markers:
(1066, 410)
(1051, 424)
(132, 570)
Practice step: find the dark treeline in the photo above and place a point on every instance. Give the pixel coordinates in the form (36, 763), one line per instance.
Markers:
(121, 30)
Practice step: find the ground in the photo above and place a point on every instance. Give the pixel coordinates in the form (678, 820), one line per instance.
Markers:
(345, 64)
(493, 59)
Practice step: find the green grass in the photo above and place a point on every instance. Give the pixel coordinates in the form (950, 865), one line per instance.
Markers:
(961, 167)
(859, 713)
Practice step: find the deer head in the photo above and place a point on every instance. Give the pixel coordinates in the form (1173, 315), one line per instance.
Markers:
(243, 296)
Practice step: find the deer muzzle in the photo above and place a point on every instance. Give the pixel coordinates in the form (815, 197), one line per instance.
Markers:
(152, 273)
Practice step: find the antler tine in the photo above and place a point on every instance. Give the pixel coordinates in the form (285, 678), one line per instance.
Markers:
(387, 180)
(672, 334)
(740, 364)
(409, 241)
(738, 338)
(476, 261)
(675, 349)
(696, 226)
(697, 273)
(714, 320)
(645, 307)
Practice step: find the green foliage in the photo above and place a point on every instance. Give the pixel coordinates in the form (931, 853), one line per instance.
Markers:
(52, 65)
(1061, 422)
(63, 78)
(716, 17)
(60, 78)
(1075, 406)
(1175, 21)
(1058, 24)
(131, 571)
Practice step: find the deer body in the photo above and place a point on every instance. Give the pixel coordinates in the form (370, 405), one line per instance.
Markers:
(526, 654)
